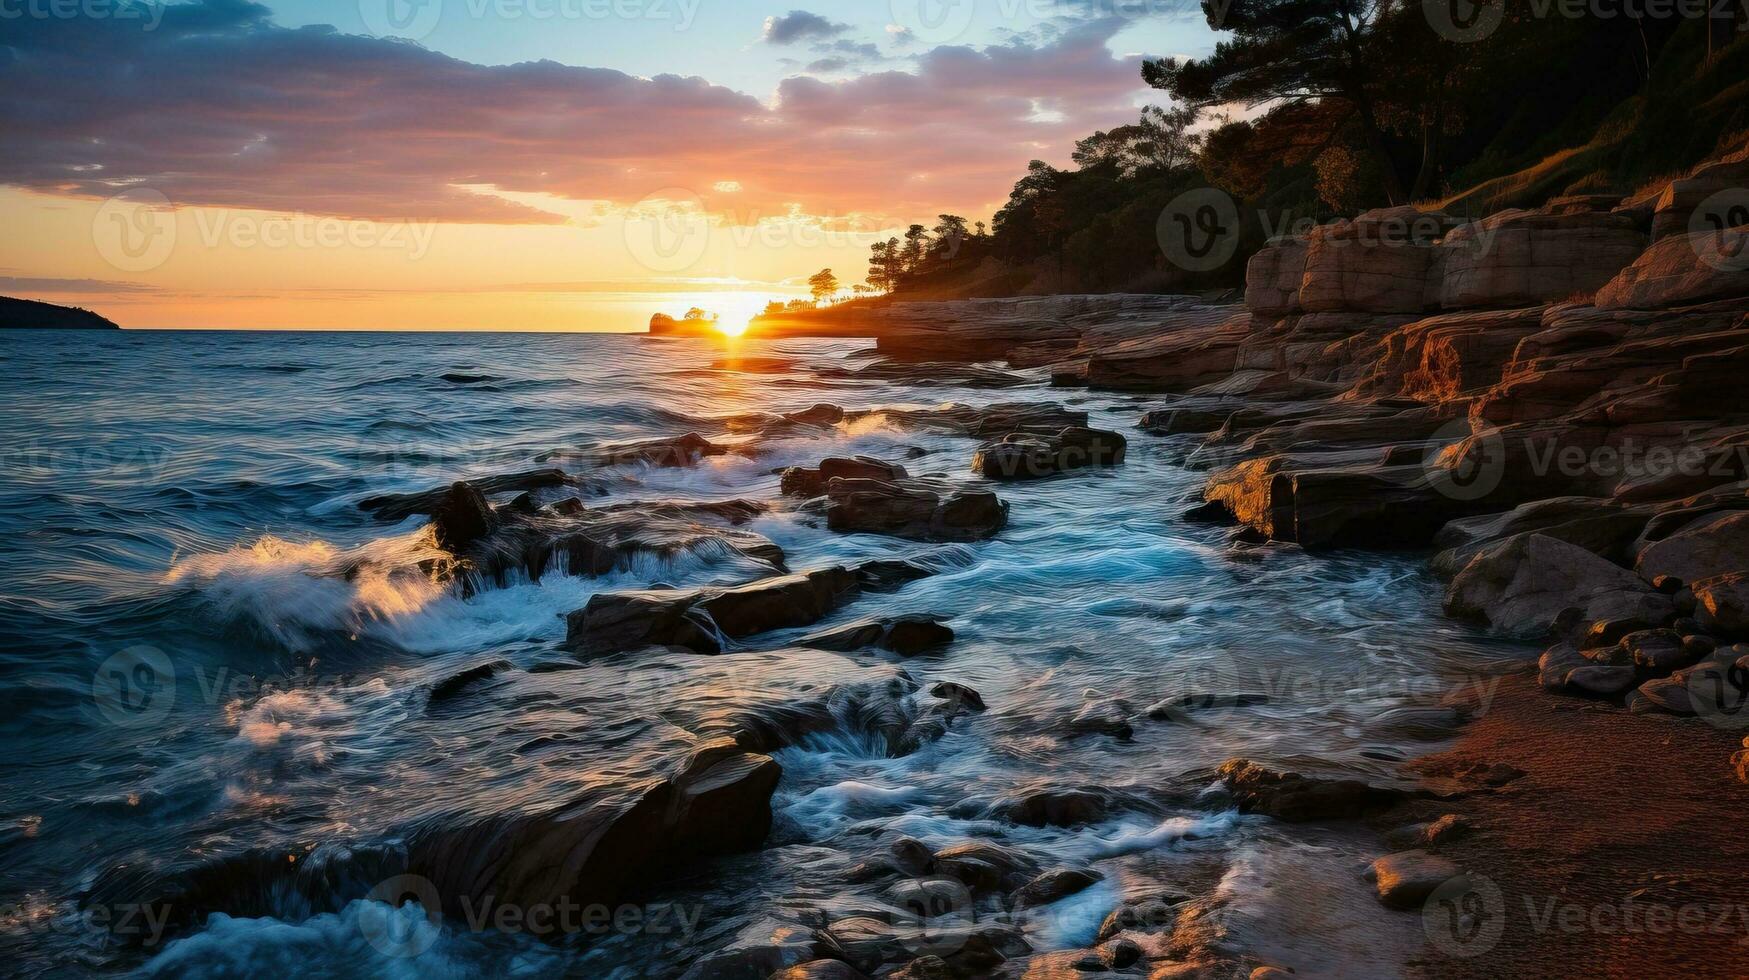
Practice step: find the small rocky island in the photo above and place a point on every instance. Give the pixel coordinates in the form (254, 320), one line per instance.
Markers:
(29, 314)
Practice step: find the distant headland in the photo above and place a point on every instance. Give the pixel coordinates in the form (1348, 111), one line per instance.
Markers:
(25, 314)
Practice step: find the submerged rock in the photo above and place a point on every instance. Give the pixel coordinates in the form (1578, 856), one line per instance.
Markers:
(904, 635)
(917, 508)
(674, 452)
(1055, 884)
(1025, 457)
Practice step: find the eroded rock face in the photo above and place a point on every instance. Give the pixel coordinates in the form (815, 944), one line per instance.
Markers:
(1029, 457)
(1681, 270)
(1273, 277)
(1519, 258)
(1522, 586)
(919, 509)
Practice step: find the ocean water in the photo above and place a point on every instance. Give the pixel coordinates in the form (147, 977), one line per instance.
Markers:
(212, 656)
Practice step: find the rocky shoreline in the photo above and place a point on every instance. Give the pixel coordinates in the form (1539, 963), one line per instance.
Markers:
(1387, 383)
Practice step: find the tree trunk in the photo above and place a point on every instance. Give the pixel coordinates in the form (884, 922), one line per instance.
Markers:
(1375, 140)
(1431, 133)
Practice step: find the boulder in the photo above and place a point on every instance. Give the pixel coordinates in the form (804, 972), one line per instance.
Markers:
(1674, 211)
(1053, 807)
(821, 970)
(1025, 457)
(1723, 604)
(1522, 585)
(798, 481)
(1681, 270)
(1709, 546)
(1055, 884)
(1296, 798)
(462, 518)
(917, 508)
(700, 619)
(1405, 880)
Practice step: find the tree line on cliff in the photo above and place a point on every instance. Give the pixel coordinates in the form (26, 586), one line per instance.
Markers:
(1312, 109)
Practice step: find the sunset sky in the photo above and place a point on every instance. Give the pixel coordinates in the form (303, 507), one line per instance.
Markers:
(523, 164)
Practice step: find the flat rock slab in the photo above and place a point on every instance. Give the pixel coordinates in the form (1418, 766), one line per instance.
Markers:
(1405, 880)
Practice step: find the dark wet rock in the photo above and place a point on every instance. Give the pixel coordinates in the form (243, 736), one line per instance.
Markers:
(869, 944)
(945, 703)
(400, 506)
(912, 855)
(1026, 457)
(985, 866)
(950, 691)
(798, 481)
(1697, 645)
(925, 968)
(982, 422)
(907, 636)
(462, 681)
(765, 947)
(462, 518)
(1209, 512)
(1296, 798)
(1181, 707)
(672, 452)
(1120, 954)
(820, 970)
(1055, 807)
(1103, 716)
(1146, 916)
(811, 421)
(918, 509)
(1600, 679)
(572, 539)
(1053, 885)
(699, 619)
(889, 574)
(932, 898)
(1405, 880)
